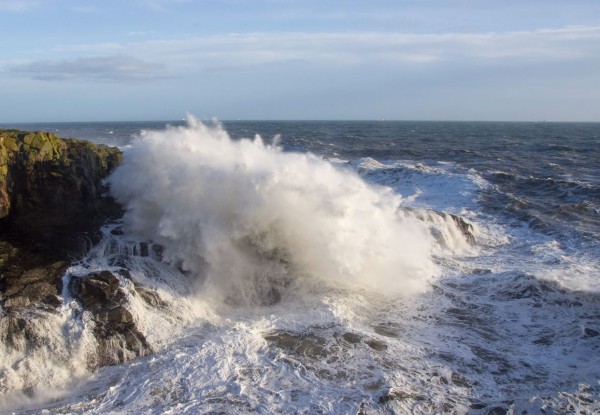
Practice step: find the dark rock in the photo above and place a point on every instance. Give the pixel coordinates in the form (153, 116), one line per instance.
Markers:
(498, 410)
(477, 405)
(52, 204)
(97, 291)
(352, 338)
(53, 186)
(305, 344)
(465, 227)
(376, 345)
(149, 296)
(118, 337)
(399, 395)
(460, 381)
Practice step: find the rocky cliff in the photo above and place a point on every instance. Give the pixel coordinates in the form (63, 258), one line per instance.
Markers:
(50, 185)
(52, 204)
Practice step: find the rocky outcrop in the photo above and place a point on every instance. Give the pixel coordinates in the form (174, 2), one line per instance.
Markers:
(118, 338)
(52, 204)
(50, 185)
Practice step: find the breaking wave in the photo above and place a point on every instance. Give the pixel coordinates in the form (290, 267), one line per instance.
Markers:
(245, 219)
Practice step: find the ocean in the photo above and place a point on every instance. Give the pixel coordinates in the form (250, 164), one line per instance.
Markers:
(341, 267)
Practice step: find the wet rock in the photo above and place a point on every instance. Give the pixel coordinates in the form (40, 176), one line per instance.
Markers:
(149, 296)
(376, 345)
(309, 345)
(32, 286)
(386, 330)
(475, 404)
(52, 205)
(459, 380)
(118, 337)
(352, 338)
(394, 394)
(53, 186)
(465, 228)
(97, 291)
(498, 410)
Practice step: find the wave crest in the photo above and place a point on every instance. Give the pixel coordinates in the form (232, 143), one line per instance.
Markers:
(242, 215)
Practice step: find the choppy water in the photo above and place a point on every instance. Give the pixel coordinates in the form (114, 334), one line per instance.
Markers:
(385, 307)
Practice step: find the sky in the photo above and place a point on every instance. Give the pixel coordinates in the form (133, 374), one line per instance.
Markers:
(142, 60)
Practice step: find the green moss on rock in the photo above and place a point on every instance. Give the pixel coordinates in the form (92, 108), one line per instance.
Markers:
(51, 205)
(59, 180)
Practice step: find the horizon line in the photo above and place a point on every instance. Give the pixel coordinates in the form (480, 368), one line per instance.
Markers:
(211, 120)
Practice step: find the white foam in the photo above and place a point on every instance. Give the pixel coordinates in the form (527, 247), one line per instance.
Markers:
(243, 215)
(437, 187)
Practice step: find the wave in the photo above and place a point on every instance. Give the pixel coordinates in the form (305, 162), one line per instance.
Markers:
(243, 218)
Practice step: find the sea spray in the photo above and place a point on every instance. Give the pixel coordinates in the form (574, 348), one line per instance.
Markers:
(247, 219)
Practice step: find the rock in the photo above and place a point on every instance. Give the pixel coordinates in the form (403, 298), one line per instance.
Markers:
(97, 291)
(53, 186)
(428, 216)
(399, 395)
(33, 286)
(117, 336)
(52, 205)
(465, 227)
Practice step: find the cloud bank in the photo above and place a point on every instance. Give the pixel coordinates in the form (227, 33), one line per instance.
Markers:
(243, 51)
(99, 68)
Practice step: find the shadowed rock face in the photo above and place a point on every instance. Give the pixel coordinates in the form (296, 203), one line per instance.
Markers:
(52, 186)
(52, 205)
(116, 333)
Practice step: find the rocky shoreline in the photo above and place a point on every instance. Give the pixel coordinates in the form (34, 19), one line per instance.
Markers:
(52, 205)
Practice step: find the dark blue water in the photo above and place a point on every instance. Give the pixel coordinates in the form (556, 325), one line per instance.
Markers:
(544, 174)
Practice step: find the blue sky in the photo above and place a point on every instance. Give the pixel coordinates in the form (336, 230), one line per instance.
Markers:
(93, 60)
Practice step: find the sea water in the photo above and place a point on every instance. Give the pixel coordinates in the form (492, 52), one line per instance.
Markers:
(314, 267)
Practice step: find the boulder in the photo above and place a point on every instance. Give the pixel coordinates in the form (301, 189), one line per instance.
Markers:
(116, 334)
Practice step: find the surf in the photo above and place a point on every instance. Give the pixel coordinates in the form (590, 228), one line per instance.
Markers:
(243, 218)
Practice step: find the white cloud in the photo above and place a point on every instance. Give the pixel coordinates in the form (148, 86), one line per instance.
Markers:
(100, 68)
(243, 51)
(18, 5)
(248, 49)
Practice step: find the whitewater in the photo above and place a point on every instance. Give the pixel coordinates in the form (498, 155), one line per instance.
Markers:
(369, 268)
